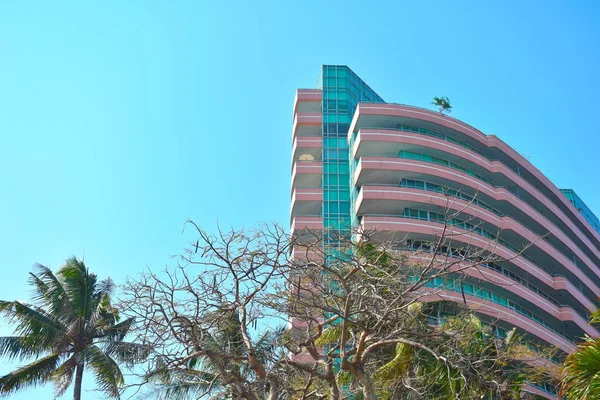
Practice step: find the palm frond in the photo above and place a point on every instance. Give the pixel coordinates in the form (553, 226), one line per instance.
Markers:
(268, 342)
(40, 327)
(79, 285)
(20, 348)
(581, 372)
(116, 332)
(63, 375)
(102, 310)
(49, 293)
(30, 375)
(127, 353)
(108, 374)
(330, 335)
(512, 337)
(184, 383)
(188, 389)
(397, 367)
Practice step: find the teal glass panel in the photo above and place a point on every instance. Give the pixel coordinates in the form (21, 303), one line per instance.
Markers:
(342, 90)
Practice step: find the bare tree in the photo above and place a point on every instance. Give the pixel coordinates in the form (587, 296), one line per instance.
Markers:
(261, 315)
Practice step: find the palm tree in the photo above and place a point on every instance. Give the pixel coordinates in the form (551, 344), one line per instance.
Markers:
(417, 369)
(69, 326)
(199, 377)
(581, 371)
(443, 103)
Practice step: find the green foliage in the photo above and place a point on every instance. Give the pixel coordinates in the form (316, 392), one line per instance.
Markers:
(397, 367)
(595, 317)
(463, 339)
(581, 372)
(344, 378)
(443, 103)
(374, 255)
(69, 325)
(330, 335)
(195, 379)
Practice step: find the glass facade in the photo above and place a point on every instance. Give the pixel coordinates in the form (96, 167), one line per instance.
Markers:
(582, 208)
(342, 91)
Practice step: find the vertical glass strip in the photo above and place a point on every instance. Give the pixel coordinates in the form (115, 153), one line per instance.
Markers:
(342, 91)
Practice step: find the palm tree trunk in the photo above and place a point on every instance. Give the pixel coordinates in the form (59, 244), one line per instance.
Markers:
(78, 380)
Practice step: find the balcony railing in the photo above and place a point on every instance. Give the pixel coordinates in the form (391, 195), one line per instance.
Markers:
(487, 207)
(477, 176)
(585, 318)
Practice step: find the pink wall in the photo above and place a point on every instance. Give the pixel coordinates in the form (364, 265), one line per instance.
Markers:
(374, 135)
(488, 141)
(402, 165)
(389, 193)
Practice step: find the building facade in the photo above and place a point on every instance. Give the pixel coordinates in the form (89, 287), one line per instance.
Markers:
(360, 162)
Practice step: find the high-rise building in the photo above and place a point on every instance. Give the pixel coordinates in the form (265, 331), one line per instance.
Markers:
(358, 161)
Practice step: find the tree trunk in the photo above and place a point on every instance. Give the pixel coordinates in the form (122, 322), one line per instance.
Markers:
(367, 385)
(355, 368)
(333, 386)
(78, 380)
(274, 389)
(335, 390)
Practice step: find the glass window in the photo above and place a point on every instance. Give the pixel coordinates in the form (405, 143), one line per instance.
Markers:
(343, 105)
(344, 207)
(468, 288)
(344, 118)
(343, 168)
(343, 72)
(333, 207)
(344, 195)
(342, 82)
(330, 180)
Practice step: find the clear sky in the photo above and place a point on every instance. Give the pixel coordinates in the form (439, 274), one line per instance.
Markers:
(120, 119)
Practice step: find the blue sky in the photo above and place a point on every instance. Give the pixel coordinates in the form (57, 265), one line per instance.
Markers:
(119, 120)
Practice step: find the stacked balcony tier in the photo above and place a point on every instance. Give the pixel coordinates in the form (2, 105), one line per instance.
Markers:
(414, 167)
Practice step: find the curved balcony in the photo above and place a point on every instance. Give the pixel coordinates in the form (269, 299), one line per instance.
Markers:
(307, 145)
(388, 170)
(389, 115)
(496, 311)
(539, 391)
(306, 201)
(397, 228)
(307, 124)
(384, 142)
(392, 200)
(308, 100)
(311, 223)
(307, 229)
(307, 174)
(302, 255)
(563, 313)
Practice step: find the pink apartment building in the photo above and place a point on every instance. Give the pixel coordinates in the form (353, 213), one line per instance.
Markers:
(358, 161)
